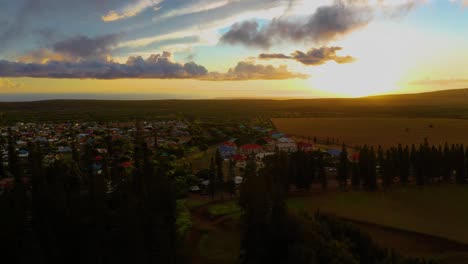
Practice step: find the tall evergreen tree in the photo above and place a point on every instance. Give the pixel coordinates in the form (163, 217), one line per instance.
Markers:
(343, 168)
(219, 173)
(372, 170)
(212, 179)
(321, 171)
(387, 170)
(231, 185)
(355, 176)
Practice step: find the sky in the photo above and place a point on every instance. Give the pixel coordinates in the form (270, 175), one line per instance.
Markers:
(199, 49)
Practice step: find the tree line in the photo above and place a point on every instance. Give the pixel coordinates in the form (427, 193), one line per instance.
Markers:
(272, 234)
(80, 210)
(369, 168)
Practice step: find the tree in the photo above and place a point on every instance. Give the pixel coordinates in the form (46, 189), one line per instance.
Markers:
(321, 172)
(405, 166)
(355, 176)
(219, 173)
(343, 168)
(212, 179)
(372, 170)
(387, 171)
(231, 185)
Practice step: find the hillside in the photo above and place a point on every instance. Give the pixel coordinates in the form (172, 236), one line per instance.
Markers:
(441, 104)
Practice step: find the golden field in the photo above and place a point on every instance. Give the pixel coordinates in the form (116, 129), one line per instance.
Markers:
(378, 131)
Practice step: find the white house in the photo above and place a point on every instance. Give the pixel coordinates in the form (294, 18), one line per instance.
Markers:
(286, 145)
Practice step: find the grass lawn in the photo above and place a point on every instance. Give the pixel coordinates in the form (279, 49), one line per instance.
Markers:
(201, 160)
(435, 210)
(220, 247)
(231, 209)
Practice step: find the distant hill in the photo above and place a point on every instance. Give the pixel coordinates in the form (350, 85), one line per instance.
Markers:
(441, 104)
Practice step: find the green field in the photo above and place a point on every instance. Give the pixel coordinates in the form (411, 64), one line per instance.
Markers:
(437, 210)
(388, 131)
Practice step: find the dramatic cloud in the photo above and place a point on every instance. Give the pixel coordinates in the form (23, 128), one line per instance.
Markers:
(313, 56)
(45, 55)
(65, 16)
(157, 66)
(326, 24)
(250, 71)
(84, 47)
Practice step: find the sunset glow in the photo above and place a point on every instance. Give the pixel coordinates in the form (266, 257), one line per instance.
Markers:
(381, 47)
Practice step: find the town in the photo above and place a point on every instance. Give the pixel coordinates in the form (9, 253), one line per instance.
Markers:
(182, 142)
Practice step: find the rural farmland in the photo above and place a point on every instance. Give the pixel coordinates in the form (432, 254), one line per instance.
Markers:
(378, 131)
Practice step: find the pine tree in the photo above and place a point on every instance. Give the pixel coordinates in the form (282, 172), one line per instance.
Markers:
(364, 166)
(419, 166)
(343, 168)
(231, 185)
(321, 172)
(219, 173)
(372, 170)
(460, 167)
(355, 176)
(405, 166)
(447, 171)
(212, 180)
(262, 198)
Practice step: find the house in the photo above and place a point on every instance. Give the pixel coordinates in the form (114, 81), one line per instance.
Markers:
(64, 149)
(240, 160)
(270, 144)
(226, 151)
(231, 144)
(334, 152)
(21, 143)
(286, 145)
(251, 149)
(305, 146)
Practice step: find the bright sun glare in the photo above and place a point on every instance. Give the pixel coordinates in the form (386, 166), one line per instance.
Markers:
(385, 54)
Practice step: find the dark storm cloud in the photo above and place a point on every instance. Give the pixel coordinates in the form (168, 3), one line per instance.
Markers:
(157, 66)
(86, 47)
(326, 24)
(313, 56)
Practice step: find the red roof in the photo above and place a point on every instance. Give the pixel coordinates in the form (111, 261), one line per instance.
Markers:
(251, 147)
(239, 157)
(126, 164)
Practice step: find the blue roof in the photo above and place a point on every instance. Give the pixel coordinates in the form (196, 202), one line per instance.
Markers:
(277, 135)
(334, 152)
(224, 148)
